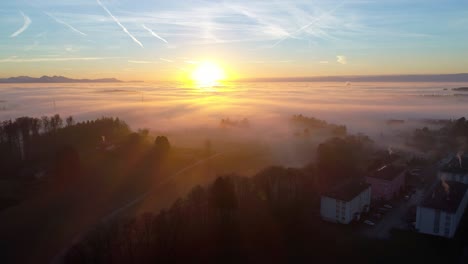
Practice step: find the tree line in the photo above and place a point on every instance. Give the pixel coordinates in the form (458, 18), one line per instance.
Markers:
(264, 218)
(30, 142)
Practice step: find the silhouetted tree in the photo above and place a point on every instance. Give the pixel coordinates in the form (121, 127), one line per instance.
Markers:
(342, 158)
(223, 195)
(162, 145)
(70, 121)
(46, 124)
(55, 122)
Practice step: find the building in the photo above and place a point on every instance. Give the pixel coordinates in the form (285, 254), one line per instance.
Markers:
(387, 182)
(456, 169)
(441, 210)
(345, 203)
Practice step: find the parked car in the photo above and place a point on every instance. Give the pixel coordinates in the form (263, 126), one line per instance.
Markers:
(369, 222)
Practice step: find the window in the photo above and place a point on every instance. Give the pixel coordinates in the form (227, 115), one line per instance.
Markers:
(436, 221)
(448, 220)
(337, 209)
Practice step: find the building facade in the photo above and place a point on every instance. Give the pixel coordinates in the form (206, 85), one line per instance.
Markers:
(387, 182)
(345, 203)
(440, 212)
(456, 169)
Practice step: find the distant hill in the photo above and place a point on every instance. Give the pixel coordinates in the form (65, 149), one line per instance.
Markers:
(461, 89)
(459, 77)
(55, 79)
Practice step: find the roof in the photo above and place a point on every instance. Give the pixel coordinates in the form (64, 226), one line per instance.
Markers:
(386, 172)
(439, 199)
(453, 166)
(347, 191)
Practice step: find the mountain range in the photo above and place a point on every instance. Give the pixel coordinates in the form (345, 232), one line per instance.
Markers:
(55, 79)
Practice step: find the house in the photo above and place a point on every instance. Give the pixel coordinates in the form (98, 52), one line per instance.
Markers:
(345, 203)
(455, 169)
(441, 210)
(387, 182)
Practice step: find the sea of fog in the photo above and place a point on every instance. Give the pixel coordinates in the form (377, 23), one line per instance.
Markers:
(362, 107)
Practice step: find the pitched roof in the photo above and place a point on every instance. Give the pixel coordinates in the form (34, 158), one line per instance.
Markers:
(386, 172)
(449, 201)
(347, 191)
(453, 166)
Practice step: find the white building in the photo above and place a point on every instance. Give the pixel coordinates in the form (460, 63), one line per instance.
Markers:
(441, 210)
(456, 169)
(346, 202)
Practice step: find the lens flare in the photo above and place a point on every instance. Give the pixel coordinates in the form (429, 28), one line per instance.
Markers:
(208, 74)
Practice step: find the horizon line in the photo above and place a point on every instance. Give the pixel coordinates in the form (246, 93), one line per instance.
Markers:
(433, 77)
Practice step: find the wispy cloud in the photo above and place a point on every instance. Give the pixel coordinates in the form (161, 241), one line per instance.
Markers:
(323, 62)
(341, 59)
(118, 23)
(142, 62)
(65, 24)
(26, 23)
(308, 25)
(154, 34)
(17, 60)
(166, 60)
(268, 62)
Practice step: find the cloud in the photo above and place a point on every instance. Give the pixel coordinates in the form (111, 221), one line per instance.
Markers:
(118, 23)
(27, 22)
(166, 60)
(142, 62)
(323, 62)
(16, 59)
(341, 59)
(65, 24)
(154, 34)
(314, 21)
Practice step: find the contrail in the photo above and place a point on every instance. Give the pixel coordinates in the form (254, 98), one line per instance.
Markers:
(154, 34)
(118, 23)
(315, 21)
(27, 22)
(65, 24)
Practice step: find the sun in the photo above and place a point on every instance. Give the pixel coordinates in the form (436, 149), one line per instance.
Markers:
(208, 74)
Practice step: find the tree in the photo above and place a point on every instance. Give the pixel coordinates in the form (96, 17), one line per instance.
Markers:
(67, 164)
(223, 194)
(69, 121)
(342, 158)
(162, 145)
(56, 122)
(45, 124)
(35, 126)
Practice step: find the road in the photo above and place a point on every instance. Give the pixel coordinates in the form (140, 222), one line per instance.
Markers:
(395, 218)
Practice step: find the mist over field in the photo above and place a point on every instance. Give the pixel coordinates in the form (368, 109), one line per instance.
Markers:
(191, 115)
(234, 131)
(174, 107)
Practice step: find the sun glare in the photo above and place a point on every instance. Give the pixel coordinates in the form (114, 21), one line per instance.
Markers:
(208, 74)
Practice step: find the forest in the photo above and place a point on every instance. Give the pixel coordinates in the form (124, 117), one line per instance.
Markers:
(272, 216)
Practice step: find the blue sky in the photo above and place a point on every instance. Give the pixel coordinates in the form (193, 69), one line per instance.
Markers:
(157, 40)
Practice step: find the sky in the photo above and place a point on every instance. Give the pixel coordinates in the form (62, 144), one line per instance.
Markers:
(155, 40)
